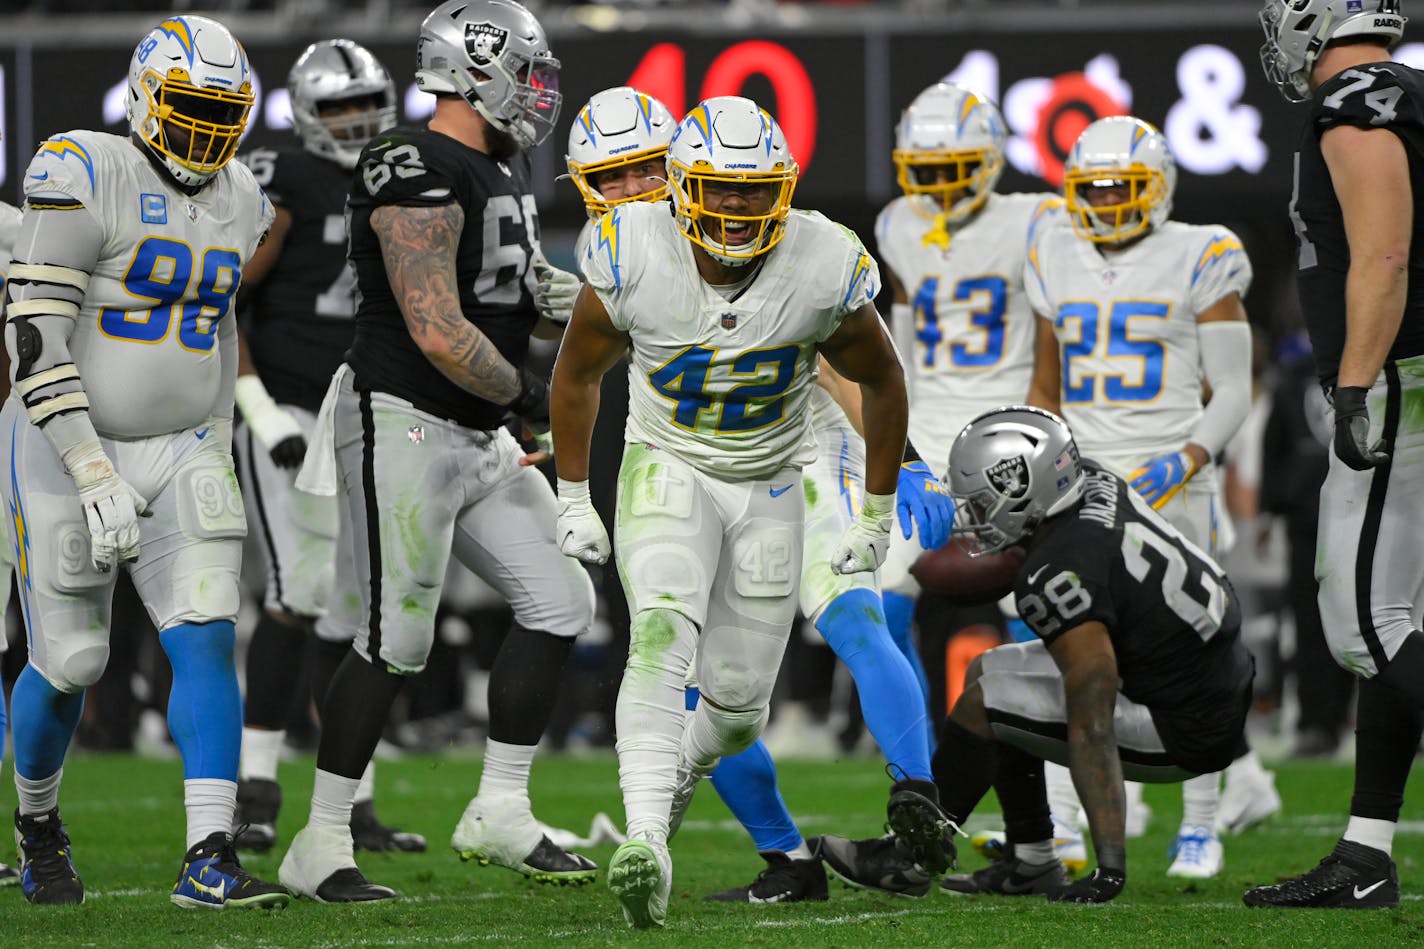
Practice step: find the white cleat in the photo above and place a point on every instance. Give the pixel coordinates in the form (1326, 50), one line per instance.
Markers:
(640, 875)
(504, 833)
(1199, 854)
(320, 865)
(1248, 798)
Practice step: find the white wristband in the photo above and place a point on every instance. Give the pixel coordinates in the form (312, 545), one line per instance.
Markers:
(877, 506)
(574, 491)
(270, 423)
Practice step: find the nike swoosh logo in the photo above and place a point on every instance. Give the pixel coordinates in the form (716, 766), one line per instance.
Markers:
(1361, 894)
(776, 898)
(217, 892)
(778, 492)
(1034, 576)
(201, 435)
(40, 177)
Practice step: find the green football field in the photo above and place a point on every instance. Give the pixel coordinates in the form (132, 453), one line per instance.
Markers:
(125, 816)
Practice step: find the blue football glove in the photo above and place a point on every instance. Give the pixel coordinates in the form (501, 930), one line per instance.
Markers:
(922, 500)
(1159, 479)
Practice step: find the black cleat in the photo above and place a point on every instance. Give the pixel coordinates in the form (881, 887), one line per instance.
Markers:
(783, 881)
(255, 821)
(1011, 877)
(915, 816)
(47, 874)
(369, 833)
(1352, 876)
(349, 886)
(212, 878)
(880, 863)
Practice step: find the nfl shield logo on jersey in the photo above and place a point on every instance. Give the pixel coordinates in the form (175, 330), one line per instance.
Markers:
(729, 321)
(484, 41)
(1009, 477)
(416, 433)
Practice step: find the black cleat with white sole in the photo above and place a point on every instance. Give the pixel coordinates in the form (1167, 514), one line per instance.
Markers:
(915, 816)
(783, 881)
(1011, 877)
(1352, 876)
(349, 886)
(880, 863)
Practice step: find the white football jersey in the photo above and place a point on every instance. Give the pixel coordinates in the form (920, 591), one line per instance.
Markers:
(9, 228)
(145, 340)
(1126, 322)
(724, 384)
(972, 346)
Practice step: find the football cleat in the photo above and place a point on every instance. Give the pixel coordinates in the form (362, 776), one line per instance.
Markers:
(320, 865)
(47, 874)
(1010, 877)
(491, 833)
(1068, 844)
(1248, 797)
(784, 880)
(9, 876)
(1352, 876)
(880, 863)
(687, 781)
(1198, 854)
(640, 875)
(212, 878)
(368, 833)
(255, 821)
(914, 814)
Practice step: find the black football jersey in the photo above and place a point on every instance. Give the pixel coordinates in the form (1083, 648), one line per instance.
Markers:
(299, 319)
(1168, 607)
(1381, 95)
(416, 167)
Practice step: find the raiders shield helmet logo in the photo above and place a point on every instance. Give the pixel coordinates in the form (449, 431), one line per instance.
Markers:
(484, 41)
(1009, 477)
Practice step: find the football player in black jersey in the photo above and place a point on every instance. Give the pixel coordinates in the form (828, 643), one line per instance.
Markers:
(1355, 207)
(1138, 669)
(298, 302)
(444, 231)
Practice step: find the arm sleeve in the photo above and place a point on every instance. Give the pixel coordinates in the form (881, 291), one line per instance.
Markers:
(1225, 348)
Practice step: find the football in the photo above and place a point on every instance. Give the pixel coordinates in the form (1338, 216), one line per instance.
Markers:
(964, 580)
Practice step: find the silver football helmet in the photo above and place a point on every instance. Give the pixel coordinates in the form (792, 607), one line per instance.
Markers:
(1297, 30)
(328, 74)
(1009, 470)
(495, 56)
(190, 91)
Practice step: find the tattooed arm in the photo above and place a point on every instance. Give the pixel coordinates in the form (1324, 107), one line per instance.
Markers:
(418, 245)
(1085, 657)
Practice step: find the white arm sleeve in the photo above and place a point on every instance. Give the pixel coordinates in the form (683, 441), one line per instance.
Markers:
(1226, 362)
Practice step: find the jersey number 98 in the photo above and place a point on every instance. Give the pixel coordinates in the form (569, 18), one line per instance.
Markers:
(162, 274)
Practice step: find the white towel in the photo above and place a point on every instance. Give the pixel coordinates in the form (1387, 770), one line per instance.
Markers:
(603, 831)
(318, 474)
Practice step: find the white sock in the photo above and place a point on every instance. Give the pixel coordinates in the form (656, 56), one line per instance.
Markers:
(261, 749)
(210, 803)
(1201, 798)
(801, 852)
(1372, 832)
(1039, 852)
(332, 796)
(1247, 766)
(506, 770)
(366, 790)
(649, 718)
(40, 796)
(1062, 796)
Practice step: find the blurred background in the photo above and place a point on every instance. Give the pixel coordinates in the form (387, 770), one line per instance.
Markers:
(836, 75)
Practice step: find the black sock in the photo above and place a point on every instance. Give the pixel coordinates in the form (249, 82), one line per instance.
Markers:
(524, 684)
(1405, 672)
(1387, 731)
(274, 662)
(964, 766)
(1023, 796)
(354, 714)
(326, 658)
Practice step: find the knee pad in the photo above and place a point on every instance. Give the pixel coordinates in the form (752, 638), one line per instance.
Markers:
(661, 640)
(736, 731)
(79, 669)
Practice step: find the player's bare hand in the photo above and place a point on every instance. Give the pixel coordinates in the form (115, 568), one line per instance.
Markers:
(863, 546)
(543, 440)
(580, 530)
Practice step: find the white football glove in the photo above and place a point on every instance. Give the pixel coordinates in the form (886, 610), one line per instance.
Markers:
(111, 506)
(556, 291)
(580, 530)
(866, 540)
(273, 426)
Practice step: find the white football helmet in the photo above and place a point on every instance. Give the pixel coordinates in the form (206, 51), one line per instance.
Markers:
(494, 55)
(1011, 469)
(190, 91)
(333, 72)
(1297, 30)
(949, 151)
(1119, 152)
(731, 143)
(618, 127)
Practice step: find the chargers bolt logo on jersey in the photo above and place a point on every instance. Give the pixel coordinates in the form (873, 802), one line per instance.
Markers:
(1009, 477)
(484, 41)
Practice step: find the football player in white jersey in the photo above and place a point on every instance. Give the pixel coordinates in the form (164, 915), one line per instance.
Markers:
(616, 154)
(118, 447)
(1138, 312)
(9, 228)
(725, 304)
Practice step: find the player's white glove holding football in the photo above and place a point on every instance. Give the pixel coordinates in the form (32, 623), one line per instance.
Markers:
(866, 540)
(556, 291)
(580, 530)
(273, 426)
(111, 506)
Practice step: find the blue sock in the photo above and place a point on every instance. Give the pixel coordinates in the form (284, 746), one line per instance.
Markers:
(854, 626)
(45, 719)
(205, 704)
(746, 783)
(900, 618)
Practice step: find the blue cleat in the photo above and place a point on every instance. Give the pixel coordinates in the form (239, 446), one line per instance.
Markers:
(47, 874)
(212, 878)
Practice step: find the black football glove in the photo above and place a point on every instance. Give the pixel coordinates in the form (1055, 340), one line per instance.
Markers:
(289, 452)
(1352, 430)
(1100, 886)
